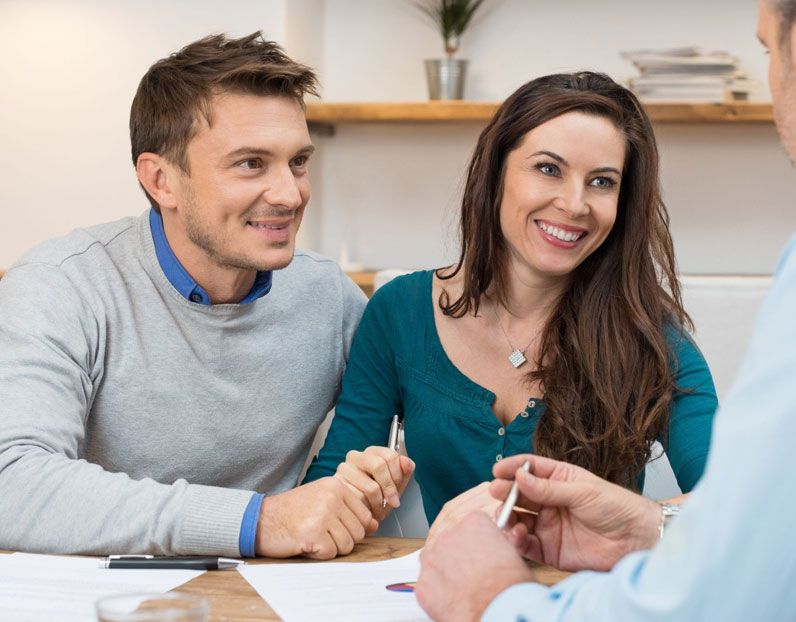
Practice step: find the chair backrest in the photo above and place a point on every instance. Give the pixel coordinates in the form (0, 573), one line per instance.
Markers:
(723, 309)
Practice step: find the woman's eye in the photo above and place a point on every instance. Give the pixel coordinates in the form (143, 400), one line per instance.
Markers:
(548, 169)
(603, 182)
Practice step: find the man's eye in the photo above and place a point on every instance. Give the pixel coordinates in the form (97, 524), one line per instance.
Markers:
(300, 161)
(250, 164)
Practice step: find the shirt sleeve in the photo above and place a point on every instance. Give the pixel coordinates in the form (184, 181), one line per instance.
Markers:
(730, 554)
(691, 413)
(248, 528)
(370, 392)
(52, 350)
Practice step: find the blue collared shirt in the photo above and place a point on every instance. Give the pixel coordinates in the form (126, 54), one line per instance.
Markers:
(731, 554)
(190, 289)
(182, 281)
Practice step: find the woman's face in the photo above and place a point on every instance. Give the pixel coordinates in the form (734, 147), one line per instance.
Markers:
(560, 193)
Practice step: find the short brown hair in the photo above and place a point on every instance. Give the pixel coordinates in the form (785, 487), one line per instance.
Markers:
(177, 91)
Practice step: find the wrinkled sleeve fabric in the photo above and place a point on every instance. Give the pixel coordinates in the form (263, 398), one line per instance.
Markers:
(691, 413)
(52, 500)
(370, 393)
(730, 555)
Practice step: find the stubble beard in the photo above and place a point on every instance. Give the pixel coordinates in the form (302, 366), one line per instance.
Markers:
(218, 246)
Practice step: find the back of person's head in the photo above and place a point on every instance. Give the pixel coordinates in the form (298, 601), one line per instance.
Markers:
(603, 360)
(175, 95)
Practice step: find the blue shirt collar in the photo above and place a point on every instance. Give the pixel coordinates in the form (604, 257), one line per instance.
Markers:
(182, 281)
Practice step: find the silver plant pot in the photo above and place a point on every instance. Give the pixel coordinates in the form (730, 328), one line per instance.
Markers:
(446, 78)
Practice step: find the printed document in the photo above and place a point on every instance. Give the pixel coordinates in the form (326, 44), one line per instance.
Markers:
(340, 591)
(43, 588)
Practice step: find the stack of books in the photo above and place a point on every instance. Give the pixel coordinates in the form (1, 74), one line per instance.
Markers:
(688, 74)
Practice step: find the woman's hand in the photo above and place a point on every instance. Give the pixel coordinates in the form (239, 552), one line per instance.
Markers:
(379, 474)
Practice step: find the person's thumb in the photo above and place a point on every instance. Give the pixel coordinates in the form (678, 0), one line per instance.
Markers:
(547, 492)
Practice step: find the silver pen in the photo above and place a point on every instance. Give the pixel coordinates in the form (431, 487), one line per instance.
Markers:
(393, 441)
(511, 499)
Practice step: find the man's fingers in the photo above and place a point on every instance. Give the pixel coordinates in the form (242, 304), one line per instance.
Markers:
(505, 469)
(546, 492)
(343, 541)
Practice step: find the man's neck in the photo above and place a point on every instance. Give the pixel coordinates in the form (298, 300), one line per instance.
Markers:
(224, 284)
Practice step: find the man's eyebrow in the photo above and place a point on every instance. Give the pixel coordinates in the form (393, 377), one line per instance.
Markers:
(259, 151)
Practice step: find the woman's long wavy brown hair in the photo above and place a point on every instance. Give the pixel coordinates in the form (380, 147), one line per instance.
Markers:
(604, 363)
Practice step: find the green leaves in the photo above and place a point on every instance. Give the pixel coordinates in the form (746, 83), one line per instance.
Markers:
(451, 18)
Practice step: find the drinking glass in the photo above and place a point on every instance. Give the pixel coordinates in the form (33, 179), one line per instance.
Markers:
(143, 607)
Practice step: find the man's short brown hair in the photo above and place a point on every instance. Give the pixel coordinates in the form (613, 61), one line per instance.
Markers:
(176, 93)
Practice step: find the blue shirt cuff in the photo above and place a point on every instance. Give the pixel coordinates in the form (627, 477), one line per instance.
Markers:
(248, 527)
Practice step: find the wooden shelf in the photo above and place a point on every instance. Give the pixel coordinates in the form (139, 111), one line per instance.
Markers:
(364, 279)
(468, 111)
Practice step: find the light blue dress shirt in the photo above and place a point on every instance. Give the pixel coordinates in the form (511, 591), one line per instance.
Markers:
(731, 555)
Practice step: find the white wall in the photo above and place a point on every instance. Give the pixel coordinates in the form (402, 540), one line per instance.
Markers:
(389, 190)
(68, 73)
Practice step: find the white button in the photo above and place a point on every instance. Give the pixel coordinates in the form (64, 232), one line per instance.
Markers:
(532, 404)
(499, 457)
(501, 431)
(524, 414)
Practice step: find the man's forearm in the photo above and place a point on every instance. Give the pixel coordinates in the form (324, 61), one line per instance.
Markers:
(50, 503)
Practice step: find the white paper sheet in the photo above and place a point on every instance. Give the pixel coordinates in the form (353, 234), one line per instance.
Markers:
(43, 588)
(339, 591)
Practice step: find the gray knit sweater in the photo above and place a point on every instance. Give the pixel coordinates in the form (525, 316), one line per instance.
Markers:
(133, 420)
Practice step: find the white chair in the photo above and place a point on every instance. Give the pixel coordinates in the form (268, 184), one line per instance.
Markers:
(723, 309)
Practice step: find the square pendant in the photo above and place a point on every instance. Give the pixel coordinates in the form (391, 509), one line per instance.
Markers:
(517, 359)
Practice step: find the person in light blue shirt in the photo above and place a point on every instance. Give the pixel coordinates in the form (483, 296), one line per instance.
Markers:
(730, 554)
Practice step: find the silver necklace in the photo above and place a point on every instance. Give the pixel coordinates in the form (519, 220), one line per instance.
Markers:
(517, 356)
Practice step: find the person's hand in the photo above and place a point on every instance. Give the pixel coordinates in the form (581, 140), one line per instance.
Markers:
(378, 473)
(476, 499)
(467, 567)
(321, 520)
(583, 521)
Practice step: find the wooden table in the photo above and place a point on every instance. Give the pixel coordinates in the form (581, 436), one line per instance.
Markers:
(232, 599)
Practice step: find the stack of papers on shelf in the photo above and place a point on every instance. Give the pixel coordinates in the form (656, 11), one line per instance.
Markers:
(688, 74)
(35, 588)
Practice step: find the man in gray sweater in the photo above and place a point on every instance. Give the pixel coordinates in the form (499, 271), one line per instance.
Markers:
(162, 377)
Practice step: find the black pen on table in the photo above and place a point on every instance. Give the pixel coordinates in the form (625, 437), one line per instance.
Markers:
(393, 441)
(172, 563)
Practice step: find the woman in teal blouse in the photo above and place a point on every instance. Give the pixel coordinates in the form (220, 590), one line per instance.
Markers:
(560, 329)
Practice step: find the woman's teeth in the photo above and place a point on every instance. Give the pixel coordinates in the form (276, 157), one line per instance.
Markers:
(564, 236)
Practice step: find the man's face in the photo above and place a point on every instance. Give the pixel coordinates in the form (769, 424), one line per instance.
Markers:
(241, 205)
(781, 68)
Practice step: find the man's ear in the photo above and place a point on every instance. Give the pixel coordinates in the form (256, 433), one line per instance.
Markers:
(159, 178)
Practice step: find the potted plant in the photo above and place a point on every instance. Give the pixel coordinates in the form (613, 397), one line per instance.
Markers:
(451, 17)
